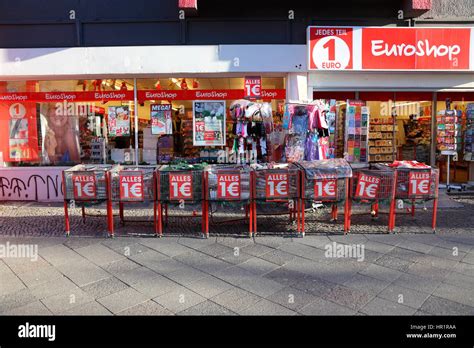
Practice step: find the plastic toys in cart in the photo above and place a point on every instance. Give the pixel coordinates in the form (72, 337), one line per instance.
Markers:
(277, 191)
(180, 187)
(86, 186)
(228, 189)
(416, 183)
(133, 185)
(325, 182)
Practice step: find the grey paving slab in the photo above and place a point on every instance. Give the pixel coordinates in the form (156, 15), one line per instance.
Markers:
(265, 307)
(146, 308)
(367, 284)
(155, 286)
(149, 258)
(207, 308)
(216, 250)
(405, 254)
(136, 275)
(99, 254)
(429, 271)
(256, 249)
(186, 275)
(83, 272)
(233, 242)
(452, 253)
(126, 247)
(394, 263)
(303, 250)
(209, 287)
(165, 266)
(60, 254)
(315, 286)
(347, 297)
(461, 242)
(460, 280)
(381, 248)
(104, 287)
(258, 266)
(37, 277)
(236, 257)
(165, 246)
(405, 296)
(416, 246)
(464, 268)
(53, 287)
(60, 303)
(122, 300)
(120, 266)
(179, 299)
(379, 306)
(324, 307)
(90, 308)
(75, 242)
(237, 300)
(441, 306)
(23, 265)
(292, 298)
(260, 286)
(16, 299)
(415, 282)
(32, 308)
(469, 258)
(438, 262)
(455, 293)
(196, 243)
(315, 241)
(278, 257)
(284, 276)
(10, 283)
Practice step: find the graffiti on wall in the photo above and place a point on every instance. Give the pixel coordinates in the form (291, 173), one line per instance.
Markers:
(31, 184)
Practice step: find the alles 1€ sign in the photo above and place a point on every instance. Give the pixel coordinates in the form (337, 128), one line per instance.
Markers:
(383, 48)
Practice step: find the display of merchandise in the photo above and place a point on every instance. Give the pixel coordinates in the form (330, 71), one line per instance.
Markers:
(97, 150)
(252, 123)
(448, 125)
(334, 167)
(340, 131)
(418, 137)
(382, 139)
(189, 150)
(469, 133)
(309, 131)
(356, 132)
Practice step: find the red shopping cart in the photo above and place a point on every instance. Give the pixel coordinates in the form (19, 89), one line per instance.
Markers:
(417, 183)
(373, 187)
(86, 186)
(276, 192)
(133, 185)
(326, 183)
(229, 189)
(180, 194)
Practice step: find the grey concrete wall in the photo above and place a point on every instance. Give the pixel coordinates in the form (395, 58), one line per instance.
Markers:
(450, 10)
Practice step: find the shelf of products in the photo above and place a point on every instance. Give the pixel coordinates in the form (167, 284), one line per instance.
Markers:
(469, 135)
(382, 134)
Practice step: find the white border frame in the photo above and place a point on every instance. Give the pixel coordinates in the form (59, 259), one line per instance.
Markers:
(224, 135)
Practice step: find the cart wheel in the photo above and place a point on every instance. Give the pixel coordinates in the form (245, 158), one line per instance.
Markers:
(205, 236)
(301, 235)
(250, 235)
(67, 233)
(434, 231)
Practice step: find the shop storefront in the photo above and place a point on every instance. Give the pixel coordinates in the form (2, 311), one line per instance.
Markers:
(417, 84)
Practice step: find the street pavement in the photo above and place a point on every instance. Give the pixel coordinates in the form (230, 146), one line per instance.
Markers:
(411, 272)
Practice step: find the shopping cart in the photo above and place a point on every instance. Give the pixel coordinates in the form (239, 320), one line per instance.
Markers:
(373, 186)
(181, 189)
(325, 183)
(416, 183)
(86, 186)
(276, 192)
(133, 184)
(229, 190)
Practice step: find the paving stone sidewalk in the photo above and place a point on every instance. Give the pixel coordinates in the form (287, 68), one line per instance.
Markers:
(413, 272)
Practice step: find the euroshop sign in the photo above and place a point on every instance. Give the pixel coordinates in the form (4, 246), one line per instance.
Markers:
(390, 48)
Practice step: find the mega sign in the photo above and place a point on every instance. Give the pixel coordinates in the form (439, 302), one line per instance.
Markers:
(382, 48)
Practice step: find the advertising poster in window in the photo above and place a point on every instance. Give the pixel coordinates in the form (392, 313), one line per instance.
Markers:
(119, 121)
(60, 129)
(161, 120)
(209, 123)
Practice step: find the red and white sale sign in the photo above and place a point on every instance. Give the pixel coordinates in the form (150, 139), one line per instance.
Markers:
(85, 187)
(131, 187)
(367, 186)
(325, 188)
(181, 186)
(276, 185)
(330, 48)
(253, 87)
(228, 186)
(416, 48)
(390, 48)
(419, 183)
